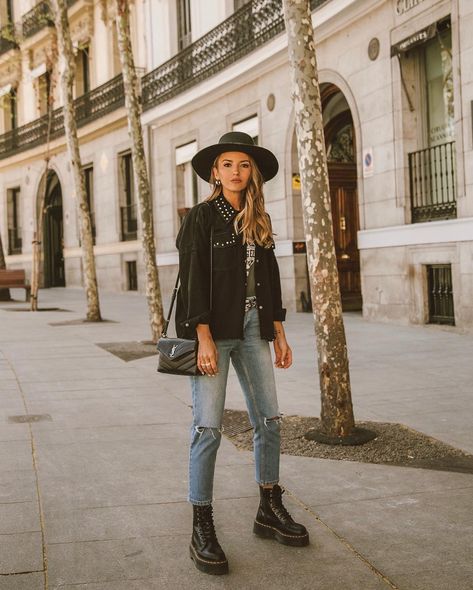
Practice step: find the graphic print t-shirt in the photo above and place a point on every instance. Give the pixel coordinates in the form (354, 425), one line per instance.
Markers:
(250, 269)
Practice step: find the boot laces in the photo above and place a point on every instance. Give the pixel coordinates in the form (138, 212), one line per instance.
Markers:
(206, 527)
(277, 506)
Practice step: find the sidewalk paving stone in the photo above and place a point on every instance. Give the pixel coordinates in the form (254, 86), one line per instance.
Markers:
(22, 582)
(112, 463)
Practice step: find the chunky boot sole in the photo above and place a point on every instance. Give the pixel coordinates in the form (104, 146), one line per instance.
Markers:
(216, 568)
(266, 531)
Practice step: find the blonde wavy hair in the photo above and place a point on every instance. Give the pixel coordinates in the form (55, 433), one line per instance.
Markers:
(252, 221)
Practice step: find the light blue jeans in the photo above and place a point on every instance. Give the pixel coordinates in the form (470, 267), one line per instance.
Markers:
(251, 358)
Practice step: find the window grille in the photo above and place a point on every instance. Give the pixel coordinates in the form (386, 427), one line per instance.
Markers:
(440, 287)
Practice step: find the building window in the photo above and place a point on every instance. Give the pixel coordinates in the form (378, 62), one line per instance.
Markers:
(44, 90)
(89, 191)
(437, 58)
(250, 126)
(128, 209)
(116, 63)
(186, 178)
(9, 106)
(432, 167)
(237, 4)
(6, 13)
(132, 275)
(184, 29)
(14, 221)
(440, 288)
(82, 81)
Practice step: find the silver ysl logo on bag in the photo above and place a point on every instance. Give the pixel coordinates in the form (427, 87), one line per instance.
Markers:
(173, 350)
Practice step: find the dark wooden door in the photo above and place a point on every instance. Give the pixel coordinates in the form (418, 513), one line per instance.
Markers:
(343, 193)
(54, 275)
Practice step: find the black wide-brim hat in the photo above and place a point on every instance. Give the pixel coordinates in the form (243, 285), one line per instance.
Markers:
(235, 141)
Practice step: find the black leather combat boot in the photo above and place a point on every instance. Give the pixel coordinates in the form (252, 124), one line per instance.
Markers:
(205, 549)
(274, 521)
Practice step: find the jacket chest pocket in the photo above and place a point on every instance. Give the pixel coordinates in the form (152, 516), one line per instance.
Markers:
(226, 251)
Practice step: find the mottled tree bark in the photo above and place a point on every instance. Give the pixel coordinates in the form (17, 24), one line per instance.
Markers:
(133, 108)
(68, 68)
(4, 293)
(39, 218)
(337, 412)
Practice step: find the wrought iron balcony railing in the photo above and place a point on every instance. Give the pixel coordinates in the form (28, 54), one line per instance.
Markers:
(251, 26)
(7, 39)
(432, 173)
(440, 290)
(39, 17)
(90, 106)
(129, 223)
(14, 241)
(36, 19)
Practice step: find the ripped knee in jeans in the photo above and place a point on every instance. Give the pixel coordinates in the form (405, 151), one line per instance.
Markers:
(205, 429)
(274, 420)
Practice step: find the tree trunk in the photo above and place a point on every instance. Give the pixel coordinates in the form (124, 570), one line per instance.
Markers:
(4, 293)
(38, 210)
(132, 103)
(67, 83)
(337, 420)
(38, 234)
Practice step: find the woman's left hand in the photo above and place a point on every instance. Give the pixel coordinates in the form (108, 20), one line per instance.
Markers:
(282, 350)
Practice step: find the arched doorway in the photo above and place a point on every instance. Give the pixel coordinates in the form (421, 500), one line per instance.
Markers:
(53, 234)
(341, 159)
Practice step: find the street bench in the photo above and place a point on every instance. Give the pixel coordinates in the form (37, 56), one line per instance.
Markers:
(15, 279)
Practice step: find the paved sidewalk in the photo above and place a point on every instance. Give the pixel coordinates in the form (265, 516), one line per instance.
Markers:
(95, 497)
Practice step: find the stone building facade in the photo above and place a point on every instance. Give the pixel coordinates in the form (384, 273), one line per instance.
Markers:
(397, 92)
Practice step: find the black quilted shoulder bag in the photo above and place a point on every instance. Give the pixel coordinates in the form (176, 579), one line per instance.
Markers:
(178, 356)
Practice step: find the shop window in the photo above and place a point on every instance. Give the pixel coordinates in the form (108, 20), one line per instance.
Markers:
(14, 221)
(427, 77)
(128, 208)
(186, 178)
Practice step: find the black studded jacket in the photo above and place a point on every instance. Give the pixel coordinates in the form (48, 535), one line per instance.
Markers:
(226, 313)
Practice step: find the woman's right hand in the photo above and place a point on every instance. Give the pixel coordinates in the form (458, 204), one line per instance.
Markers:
(207, 353)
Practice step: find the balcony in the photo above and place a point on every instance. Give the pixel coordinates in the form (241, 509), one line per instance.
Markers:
(89, 107)
(254, 24)
(250, 27)
(14, 241)
(38, 18)
(432, 174)
(7, 39)
(129, 223)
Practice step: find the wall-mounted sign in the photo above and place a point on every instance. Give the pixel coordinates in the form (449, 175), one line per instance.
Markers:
(403, 6)
(414, 40)
(368, 163)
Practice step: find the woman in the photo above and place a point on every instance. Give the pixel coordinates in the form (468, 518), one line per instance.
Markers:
(234, 310)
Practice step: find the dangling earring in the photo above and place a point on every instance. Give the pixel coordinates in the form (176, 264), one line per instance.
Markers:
(217, 182)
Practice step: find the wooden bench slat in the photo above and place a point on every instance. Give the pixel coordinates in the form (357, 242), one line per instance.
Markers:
(14, 279)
